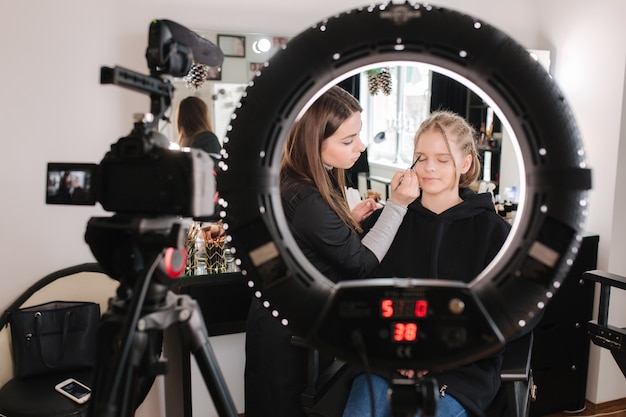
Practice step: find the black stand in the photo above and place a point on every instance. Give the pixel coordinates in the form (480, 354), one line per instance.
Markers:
(131, 331)
(408, 396)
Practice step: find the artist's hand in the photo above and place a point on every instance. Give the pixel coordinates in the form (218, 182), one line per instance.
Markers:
(405, 187)
(364, 209)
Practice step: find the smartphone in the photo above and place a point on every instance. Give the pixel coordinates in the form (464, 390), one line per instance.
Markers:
(74, 390)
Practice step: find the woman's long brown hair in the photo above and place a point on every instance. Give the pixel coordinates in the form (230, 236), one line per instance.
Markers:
(302, 156)
(192, 118)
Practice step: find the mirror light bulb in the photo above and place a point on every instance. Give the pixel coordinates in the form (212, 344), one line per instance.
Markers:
(261, 46)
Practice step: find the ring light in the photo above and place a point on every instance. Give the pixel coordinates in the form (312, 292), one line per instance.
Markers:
(452, 323)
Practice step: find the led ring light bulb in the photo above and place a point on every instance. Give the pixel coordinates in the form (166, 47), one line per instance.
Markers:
(505, 298)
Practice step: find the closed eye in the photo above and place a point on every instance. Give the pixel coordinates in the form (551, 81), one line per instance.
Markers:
(440, 160)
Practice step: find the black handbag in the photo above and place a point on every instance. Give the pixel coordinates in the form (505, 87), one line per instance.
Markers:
(54, 336)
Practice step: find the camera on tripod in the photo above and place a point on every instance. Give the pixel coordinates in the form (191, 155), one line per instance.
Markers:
(150, 187)
(138, 177)
(140, 174)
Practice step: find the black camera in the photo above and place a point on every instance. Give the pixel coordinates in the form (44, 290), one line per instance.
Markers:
(136, 180)
(140, 174)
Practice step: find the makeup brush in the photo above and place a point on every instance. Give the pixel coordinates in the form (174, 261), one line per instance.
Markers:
(411, 167)
(416, 161)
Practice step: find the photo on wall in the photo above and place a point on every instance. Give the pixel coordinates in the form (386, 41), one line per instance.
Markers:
(256, 66)
(232, 45)
(214, 73)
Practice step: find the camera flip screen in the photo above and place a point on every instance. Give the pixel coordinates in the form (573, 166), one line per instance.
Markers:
(70, 183)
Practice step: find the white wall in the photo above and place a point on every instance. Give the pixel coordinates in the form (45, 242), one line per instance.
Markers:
(54, 109)
(591, 73)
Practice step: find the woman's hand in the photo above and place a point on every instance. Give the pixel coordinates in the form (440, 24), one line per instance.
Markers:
(364, 209)
(405, 187)
(410, 373)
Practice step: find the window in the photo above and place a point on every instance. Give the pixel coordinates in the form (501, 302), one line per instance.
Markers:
(395, 101)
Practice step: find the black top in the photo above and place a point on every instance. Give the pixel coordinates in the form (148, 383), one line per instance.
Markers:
(331, 246)
(276, 371)
(454, 245)
(207, 141)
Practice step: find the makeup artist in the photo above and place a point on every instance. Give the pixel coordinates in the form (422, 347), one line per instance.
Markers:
(319, 148)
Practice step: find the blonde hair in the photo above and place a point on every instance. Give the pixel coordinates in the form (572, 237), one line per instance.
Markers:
(457, 130)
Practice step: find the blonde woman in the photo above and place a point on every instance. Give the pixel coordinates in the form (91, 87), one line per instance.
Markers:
(451, 233)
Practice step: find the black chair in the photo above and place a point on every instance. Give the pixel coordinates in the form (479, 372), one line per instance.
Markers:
(35, 396)
(327, 391)
(600, 331)
(518, 389)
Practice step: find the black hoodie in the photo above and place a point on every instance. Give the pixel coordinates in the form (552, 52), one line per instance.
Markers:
(454, 245)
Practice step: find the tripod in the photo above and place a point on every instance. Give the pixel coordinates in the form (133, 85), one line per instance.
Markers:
(133, 251)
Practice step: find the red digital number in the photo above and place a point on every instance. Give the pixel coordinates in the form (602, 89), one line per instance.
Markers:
(405, 332)
(421, 308)
(386, 308)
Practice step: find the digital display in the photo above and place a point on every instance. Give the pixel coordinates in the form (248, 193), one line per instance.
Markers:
(403, 308)
(405, 332)
(70, 184)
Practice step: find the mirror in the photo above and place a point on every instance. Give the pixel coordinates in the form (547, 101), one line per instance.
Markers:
(390, 120)
(244, 55)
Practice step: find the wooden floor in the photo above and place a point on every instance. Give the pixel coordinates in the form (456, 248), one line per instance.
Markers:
(613, 409)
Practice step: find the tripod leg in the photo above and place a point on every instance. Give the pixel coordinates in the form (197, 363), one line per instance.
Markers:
(105, 401)
(195, 333)
(137, 376)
